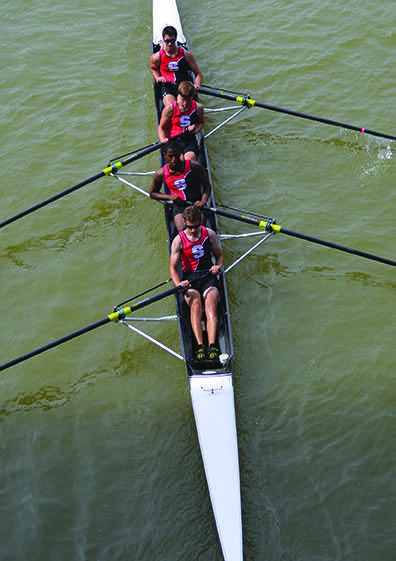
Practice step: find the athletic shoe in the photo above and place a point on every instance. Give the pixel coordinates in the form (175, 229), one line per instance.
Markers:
(212, 352)
(200, 353)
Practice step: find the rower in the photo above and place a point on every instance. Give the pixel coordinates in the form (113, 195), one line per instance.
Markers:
(185, 115)
(183, 178)
(172, 64)
(195, 246)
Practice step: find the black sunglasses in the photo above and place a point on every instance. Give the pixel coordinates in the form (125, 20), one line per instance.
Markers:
(192, 226)
(169, 41)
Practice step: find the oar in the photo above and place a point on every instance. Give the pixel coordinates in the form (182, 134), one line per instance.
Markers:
(270, 226)
(118, 314)
(247, 101)
(111, 168)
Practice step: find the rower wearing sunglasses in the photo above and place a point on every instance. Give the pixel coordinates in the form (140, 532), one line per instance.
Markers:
(172, 64)
(195, 246)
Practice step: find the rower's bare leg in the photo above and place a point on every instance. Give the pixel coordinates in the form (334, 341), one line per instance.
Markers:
(179, 222)
(193, 299)
(168, 99)
(211, 298)
(190, 156)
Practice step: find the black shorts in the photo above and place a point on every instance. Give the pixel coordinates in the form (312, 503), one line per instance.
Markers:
(200, 280)
(168, 89)
(179, 209)
(188, 143)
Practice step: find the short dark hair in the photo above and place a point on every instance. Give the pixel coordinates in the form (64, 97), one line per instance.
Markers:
(169, 30)
(172, 144)
(186, 89)
(192, 214)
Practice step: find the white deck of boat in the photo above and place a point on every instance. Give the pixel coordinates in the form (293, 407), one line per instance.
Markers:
(165, 12)
(212, 397)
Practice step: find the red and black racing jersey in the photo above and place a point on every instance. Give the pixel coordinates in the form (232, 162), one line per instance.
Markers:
(174, 69)
(185, 185)
(196, 255)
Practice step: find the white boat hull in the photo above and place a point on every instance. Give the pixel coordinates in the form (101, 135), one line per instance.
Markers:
(212, 398)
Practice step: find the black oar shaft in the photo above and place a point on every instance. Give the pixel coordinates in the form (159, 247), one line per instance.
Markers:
(113, 167)
(325, 121)
(120, 313)
(154, 298)
(276, 228)
(234, 216)
(338, 246)
(55, 343)
(141, 153)
(51, 199)
(244, 100)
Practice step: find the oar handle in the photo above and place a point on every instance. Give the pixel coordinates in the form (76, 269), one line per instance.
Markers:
(264, 224)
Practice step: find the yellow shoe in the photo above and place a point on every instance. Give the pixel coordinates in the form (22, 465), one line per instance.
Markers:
(212, 353)
(200, 353)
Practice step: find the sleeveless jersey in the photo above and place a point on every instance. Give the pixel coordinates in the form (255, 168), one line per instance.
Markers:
(196, 256)
(175, 69)
(185, 184)
(181, 120)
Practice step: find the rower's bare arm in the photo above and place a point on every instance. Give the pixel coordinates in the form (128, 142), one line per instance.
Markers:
(199, 125)
(155, 189)
(190, 59)
(155, 68)
(164, 123)
(218, 254)
(174, 260)
(200, 172)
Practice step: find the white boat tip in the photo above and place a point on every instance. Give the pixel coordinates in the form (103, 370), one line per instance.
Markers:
(223, 358)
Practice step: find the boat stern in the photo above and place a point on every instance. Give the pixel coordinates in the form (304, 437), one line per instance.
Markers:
(212, 397)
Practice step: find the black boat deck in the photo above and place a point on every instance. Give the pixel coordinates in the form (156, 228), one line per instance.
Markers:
(224, 327)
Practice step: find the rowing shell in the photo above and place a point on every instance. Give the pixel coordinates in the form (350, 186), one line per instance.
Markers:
(211, 387)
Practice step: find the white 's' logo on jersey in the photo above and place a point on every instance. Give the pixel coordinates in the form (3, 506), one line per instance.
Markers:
(180, 184)
(173, 66)
(197, 251)
(185, 121)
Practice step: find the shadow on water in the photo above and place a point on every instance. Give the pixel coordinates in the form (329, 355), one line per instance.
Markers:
(104, 214)
(52, 396)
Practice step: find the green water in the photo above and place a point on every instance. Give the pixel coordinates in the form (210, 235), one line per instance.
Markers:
(99, 455)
